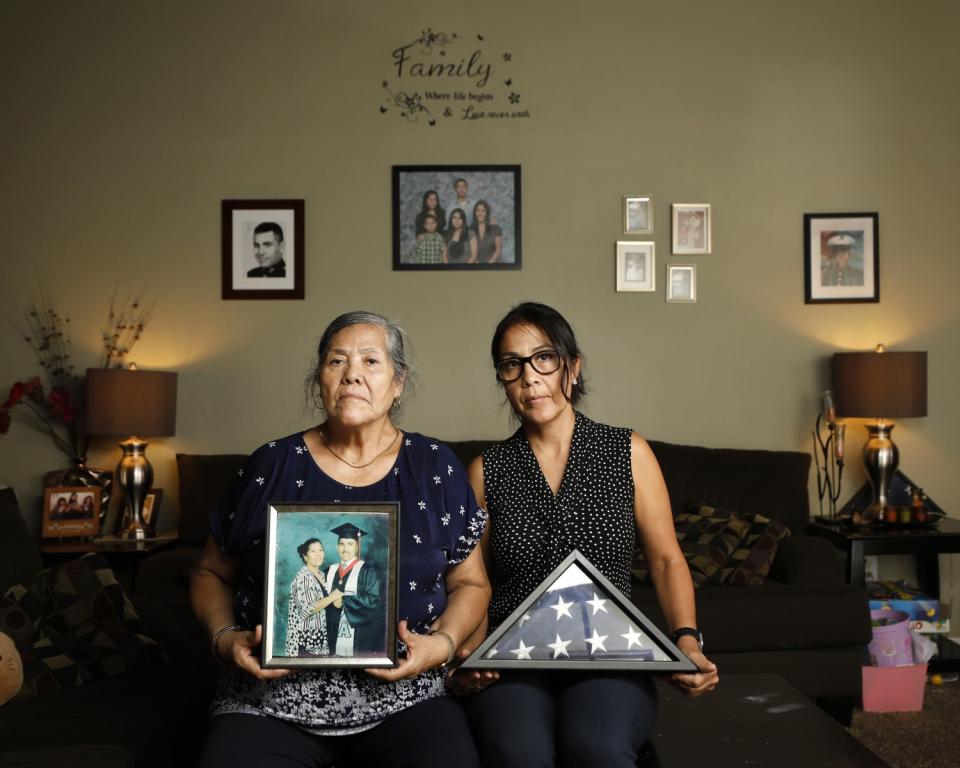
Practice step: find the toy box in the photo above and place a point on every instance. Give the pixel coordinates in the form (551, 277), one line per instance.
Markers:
(900, 596)
(894, 689)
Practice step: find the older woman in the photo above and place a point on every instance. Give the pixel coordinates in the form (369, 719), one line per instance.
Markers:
(309, 598)
(319, 717)
(562, 482)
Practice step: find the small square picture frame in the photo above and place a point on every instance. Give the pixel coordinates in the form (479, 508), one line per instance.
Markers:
(682, 283)
(71, 512)
(691, 228)
(637, 215)
(636, 266)
(262, 249)
(151, 509)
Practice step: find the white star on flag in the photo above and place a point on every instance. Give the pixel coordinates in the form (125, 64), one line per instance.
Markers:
(632, 637)
(597, 604)
(562, 608)
(596, 641)
(559, 647)
(523, 652)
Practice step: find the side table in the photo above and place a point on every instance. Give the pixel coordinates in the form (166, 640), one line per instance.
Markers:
(125, 555)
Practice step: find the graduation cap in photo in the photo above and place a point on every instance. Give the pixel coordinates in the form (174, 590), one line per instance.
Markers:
(577, 619)
(350, 531)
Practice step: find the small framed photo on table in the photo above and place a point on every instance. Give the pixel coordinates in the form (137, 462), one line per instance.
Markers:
(70, 512)
(841, 258)
(637, 215)
(691, 228)
(151, 509)
(262, 249)
(331, 585)
(636, 266)
(682, 283)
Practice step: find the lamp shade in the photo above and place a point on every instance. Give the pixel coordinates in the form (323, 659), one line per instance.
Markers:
(880, 385)
(122, 402)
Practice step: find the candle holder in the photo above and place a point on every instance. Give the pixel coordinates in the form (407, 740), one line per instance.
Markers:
(828, 452)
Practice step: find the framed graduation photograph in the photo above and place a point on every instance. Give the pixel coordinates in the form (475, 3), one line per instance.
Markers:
(262, 249)
(331, 585)
(841, 258)
(456, 217)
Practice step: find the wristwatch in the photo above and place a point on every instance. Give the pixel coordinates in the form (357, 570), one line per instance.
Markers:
(694, 633)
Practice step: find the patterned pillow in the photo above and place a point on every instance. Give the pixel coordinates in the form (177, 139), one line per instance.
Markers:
(73, 623)
(708, 538)
(750, 561)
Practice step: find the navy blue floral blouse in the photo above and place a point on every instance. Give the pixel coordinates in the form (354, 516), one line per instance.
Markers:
(440, 524)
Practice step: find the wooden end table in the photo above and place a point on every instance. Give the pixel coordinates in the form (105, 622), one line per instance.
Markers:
(125, 555)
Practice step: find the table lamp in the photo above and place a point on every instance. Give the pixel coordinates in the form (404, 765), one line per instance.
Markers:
(880, 385)
(132, 403)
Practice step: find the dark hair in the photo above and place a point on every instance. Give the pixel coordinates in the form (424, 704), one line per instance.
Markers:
(269, 226)
(302, 549)
(427, 194)
(395, 348)
(463, 216)
(556, 328)
(457, 181)
(486, 206)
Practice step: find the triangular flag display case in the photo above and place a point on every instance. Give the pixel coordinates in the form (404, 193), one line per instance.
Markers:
(577, 619)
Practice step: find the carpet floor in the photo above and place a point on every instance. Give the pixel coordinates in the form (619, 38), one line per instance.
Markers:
(926, 739)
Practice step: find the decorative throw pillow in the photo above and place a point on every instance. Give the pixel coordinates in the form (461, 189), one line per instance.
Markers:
(73, 623)
(708, 538)
(750, 561)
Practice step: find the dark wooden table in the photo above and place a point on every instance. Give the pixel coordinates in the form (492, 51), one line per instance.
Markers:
(124, 555)
(760, 721)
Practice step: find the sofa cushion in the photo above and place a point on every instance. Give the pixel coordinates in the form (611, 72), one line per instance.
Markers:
(203, 482)
(83, 627)
(19, 558)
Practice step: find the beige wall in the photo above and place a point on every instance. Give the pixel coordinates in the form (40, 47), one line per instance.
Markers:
(126, 123)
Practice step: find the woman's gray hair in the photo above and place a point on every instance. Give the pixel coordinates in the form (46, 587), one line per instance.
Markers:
(397, 347)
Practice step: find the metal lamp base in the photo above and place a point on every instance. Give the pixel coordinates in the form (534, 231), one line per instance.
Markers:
(135, 478)
(881, 458)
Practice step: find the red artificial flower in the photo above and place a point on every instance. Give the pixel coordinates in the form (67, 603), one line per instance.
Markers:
(4, 421)
(16, 395)
(60, 403)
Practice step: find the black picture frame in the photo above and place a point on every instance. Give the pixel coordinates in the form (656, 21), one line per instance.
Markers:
(290, 636)
(242, 275)
(857, 279)
(151, 510)
(498, 186)
(661, 654)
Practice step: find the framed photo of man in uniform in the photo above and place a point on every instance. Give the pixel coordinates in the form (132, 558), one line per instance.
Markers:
(841, 258)
(262, 249)
(330, 587)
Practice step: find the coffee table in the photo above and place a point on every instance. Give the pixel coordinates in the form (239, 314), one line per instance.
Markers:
(760, 721)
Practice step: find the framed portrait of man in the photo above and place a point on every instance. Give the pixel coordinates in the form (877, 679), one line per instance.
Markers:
(841, 258)
(262, 249)
(456, 217)
(331, 585)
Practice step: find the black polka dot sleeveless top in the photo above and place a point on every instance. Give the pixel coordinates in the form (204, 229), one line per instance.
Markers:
(532, 530)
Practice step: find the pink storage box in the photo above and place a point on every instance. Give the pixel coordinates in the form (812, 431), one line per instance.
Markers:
(894, 689)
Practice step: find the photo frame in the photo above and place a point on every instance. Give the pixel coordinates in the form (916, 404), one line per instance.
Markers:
(71, 511)
(636, 266)
(682, 283)
(151, 509)
(575, 619)
(691, 228)
(262, 249)
(302, 572)
(428, 235)
(841, 258)
(637, 215)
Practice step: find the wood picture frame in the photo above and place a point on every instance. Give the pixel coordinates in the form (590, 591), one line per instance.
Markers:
(262, 249)
(71, 512)
(303, 574)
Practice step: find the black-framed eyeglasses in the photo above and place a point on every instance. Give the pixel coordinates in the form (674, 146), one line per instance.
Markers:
(511, 368)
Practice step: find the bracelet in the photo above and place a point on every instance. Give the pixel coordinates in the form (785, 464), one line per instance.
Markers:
(453, 646)
(220, 633)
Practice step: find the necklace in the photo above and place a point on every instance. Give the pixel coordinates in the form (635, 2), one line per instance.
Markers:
(326, 442)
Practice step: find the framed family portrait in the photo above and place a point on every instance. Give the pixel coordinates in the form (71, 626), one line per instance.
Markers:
(331, 585)
(637, 216)
(262, 249)
(636, 266)
(841, 258)
(682, 283)
(456, 217)
(70, 512)
(691, 228)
